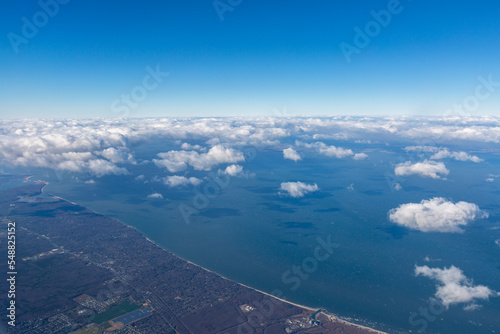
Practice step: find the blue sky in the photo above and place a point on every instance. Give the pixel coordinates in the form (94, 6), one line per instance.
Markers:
(264, 58)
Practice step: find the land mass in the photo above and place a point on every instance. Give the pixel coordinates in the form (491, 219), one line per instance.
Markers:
(82, 272)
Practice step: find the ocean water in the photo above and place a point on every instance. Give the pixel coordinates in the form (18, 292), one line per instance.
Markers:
(248, 232)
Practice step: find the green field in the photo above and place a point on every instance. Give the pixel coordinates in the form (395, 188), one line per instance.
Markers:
(116, 311)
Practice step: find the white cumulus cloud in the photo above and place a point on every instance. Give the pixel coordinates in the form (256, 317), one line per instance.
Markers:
(360, 156)
(426, 168)
(297, 189)
(291, 154)
(454, 287)
(436, 215)
(328, 150)
(233, 170)
(177, 180)
(460, 156)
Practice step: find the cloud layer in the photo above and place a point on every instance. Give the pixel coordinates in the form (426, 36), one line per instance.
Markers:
(436, 215)
(102, 147)
(454, 287)
(176, 161)
(444, 153)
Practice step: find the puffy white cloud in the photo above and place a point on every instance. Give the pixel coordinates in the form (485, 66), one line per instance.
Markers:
(291, 154)
(360, 156)
(233, 170)
(329, 151)
(297, 189)
(337, 152)
(460, 156)
(177, 180)
(176, 161)
(62, 145)
(454, 287)
(428, 168)
(436, 215)
(102, 167)
(155, 196)
(398, 187)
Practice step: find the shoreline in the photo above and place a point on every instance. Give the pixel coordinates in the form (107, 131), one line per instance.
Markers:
(331, 316)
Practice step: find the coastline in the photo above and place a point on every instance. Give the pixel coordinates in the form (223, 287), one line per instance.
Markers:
(330, 316)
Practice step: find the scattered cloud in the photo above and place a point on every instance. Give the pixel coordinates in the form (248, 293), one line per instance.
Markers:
(398, 187)
(436, 215)
(333, 151)
(291, 154)
(328, 150)
(155, 196)
(492, 177)
(297, 189)
(233, 170)
(455, 288)
(427, 168)
(360, 156)
(177, 180)
(460, 156)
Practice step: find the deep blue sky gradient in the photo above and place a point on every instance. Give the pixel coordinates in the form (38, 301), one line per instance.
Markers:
(264, 58)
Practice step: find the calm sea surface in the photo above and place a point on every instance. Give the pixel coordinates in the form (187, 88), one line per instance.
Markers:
(249, 233)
